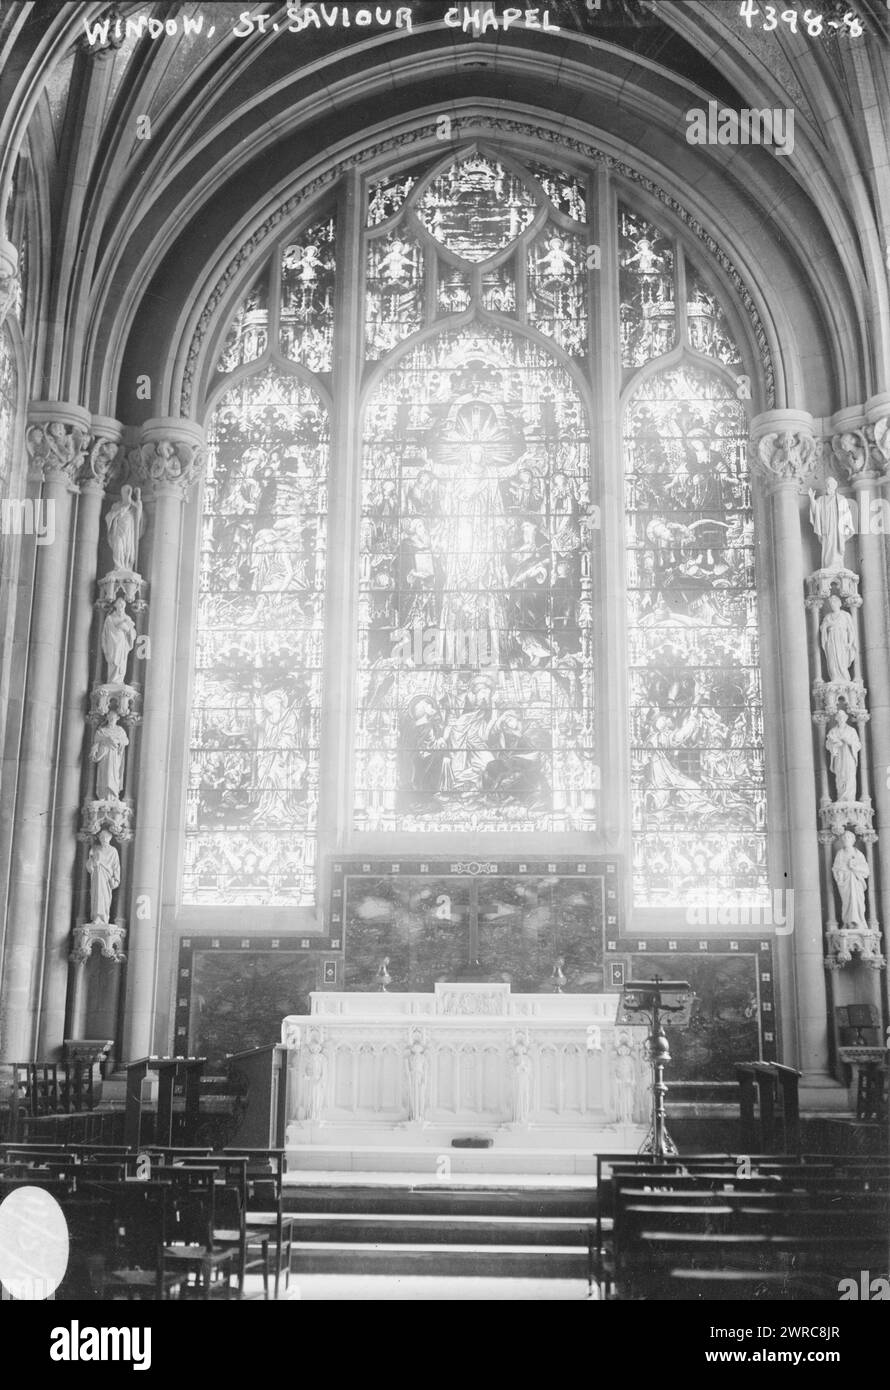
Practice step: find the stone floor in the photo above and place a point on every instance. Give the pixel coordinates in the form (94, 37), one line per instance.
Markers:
(377, 1288)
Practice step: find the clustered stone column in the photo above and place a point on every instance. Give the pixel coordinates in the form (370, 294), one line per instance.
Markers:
(855, 646)
(106, 818)
(165, 467)
(784, 452)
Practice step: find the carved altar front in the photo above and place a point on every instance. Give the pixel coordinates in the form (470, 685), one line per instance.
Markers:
(416, 1070)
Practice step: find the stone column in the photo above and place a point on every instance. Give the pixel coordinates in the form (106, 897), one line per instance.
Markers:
(784, 454)
(94, 476)
(166, 465)
(57, 440)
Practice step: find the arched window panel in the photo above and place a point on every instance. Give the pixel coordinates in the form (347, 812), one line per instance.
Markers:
(697, 786)
(565, 191)
(395, 292)
(476, 207)
(476, 683)
(454, 293)
(387, 196)
(306, 313)
(647, 290)
(8, 399)
(253, 766)
(248, 335)
(707, 326)
(557, 289)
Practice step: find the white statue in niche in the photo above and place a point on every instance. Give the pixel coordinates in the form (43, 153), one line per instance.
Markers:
(831, 517)
(118, 640)
(838, 640)
(417, 1061)
(107, 752)
(124, 523)
(844, 745)
(104, 869)
(522, 1081)
(625, 1083)
(315, 1073)
(850, 870)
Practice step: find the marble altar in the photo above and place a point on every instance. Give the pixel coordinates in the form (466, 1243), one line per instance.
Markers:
(404, 1070)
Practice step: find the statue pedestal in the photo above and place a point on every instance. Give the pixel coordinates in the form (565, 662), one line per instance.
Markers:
(576, 1099)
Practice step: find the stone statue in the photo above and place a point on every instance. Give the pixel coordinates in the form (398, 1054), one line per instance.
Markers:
(850, 870)
(838, 640)
(418, 1077)
(844, 745)
(316, 1074)
(104, 869)
(125, 524)
(383, 976)
(107, 752)
(625, 1084)
(522, 1082)
(831, 517)
(118, 639)
(557, 975)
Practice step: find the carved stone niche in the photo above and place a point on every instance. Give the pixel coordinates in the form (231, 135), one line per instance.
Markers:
(109, 814)
(837, 816)
(124, 699)
(820, 585)
(125, 584)
(110, 936)
(831, 696)
(846, 942)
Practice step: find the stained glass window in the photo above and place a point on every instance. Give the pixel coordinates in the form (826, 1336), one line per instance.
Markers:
(307, 297)
(699, 808)
(248, 335)
(386, 196)
(253, 781)
(476, 208)
(476, 689)
(706, 323)
(557, 289)
(395, 291)
(647, 289)
(565, 191)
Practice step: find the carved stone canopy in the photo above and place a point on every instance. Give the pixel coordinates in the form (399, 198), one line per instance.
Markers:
(844, 943)
(109, 936)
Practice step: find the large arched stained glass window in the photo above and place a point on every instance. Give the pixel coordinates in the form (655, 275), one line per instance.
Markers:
(253, 783)
(697, 773)
(476, 690)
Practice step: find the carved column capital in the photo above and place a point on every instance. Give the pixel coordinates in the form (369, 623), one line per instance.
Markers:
(57, 439)
(169, 457)
(859, 441)
(105, 455)
(783, 448)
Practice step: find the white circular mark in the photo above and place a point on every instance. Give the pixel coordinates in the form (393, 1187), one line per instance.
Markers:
(33, 1243)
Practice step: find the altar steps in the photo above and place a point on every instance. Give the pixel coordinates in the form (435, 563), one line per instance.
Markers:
(442, 1199)
(396, 1228)
(441, 1260)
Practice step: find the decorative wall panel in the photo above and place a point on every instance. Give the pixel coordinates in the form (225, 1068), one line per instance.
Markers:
(536, 925)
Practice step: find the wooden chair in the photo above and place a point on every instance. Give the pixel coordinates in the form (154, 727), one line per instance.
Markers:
(191, 1247)
(134, 1263)
(266, 1218)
